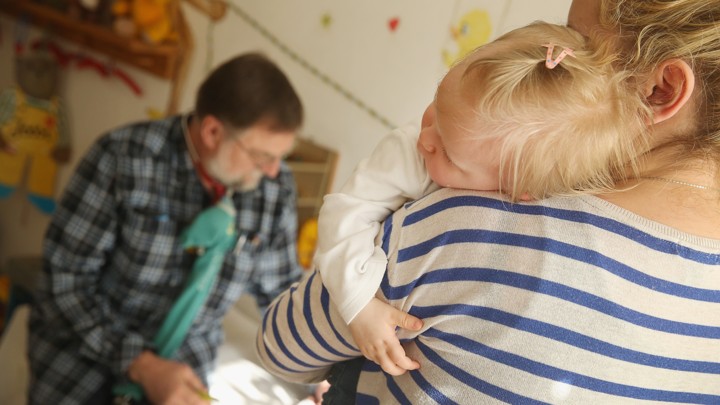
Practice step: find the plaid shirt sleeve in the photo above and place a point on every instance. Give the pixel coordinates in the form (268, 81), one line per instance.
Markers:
(77, 243)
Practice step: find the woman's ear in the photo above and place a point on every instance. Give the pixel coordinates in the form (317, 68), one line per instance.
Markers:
(211, 132)
(669, 89)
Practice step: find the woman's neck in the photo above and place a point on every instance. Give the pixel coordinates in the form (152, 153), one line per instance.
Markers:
(687, 199)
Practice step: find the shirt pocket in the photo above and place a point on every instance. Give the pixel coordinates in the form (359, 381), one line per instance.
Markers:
(152, 253)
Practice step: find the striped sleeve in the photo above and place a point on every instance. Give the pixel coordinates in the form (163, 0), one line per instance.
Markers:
(302, 334)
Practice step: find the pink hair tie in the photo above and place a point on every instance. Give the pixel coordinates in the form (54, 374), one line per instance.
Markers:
(550, 63)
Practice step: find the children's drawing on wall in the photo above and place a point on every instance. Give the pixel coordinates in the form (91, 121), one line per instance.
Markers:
(474, 24)
(33, 132)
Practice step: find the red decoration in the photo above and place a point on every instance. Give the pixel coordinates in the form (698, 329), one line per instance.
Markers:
(393, 23)
(129, 81)
(82, 62)
(86, 62)
(62, 57)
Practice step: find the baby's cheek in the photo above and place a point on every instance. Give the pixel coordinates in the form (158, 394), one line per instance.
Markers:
(480, 180)
(445, 176)
(436, 173)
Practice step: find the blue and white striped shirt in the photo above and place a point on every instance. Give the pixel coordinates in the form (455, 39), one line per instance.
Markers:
(567, 300)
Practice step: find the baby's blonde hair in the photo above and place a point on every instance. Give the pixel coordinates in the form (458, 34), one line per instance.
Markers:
(572, 129)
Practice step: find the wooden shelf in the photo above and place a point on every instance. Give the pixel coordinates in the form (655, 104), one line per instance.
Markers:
(314, 168)
(307, 202)
(162, 60)
(308, 167)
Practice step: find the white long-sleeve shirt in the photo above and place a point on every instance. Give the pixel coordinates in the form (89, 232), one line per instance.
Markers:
(351, 265)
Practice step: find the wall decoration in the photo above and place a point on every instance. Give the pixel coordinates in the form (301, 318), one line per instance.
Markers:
(81, 61)
(327, 80)
(33, 131)
(154, 113)
(326, 20)
(20, 31)
(34, 134)
(475, 24)
(105, 70)
(393, 23)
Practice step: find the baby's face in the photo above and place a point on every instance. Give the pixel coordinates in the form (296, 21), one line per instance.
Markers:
(456, 150)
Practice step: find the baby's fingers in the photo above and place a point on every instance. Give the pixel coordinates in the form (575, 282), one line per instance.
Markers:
(406, 321)
(384, 361)
(397, 355)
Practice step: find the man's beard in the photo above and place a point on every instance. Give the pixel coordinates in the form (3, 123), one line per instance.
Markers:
(246, 182)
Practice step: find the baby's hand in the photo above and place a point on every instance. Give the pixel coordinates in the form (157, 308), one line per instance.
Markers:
(373, 329)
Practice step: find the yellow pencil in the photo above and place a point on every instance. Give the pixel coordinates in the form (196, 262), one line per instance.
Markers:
(206, 396)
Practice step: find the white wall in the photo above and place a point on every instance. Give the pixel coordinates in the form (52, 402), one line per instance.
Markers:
(391, 72)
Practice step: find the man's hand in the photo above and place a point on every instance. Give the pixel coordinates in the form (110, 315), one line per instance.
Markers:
(167, 382)
(373, 329)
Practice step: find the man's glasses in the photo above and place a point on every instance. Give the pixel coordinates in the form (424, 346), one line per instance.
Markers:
(260, 159)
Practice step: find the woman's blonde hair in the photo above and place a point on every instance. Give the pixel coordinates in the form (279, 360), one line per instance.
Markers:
(571, 129)
(648, 32)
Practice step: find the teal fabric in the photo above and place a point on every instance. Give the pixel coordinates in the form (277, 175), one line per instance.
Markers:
(44, 204)
(5, 191)
(213, 234)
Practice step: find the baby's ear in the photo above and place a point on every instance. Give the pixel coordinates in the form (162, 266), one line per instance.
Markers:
(669, 88)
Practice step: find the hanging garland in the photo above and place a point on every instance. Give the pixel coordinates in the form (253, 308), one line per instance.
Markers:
(65, 58)
(324, 78)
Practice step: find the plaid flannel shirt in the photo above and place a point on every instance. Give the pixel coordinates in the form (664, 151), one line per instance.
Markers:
(113, 263)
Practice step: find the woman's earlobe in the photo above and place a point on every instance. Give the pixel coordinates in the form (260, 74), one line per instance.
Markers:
(670, 88)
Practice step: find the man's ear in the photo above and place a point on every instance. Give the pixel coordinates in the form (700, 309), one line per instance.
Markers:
(211, 132)
(669, 89)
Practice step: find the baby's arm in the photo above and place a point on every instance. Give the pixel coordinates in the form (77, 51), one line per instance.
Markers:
(351, 264)
(347, 257)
